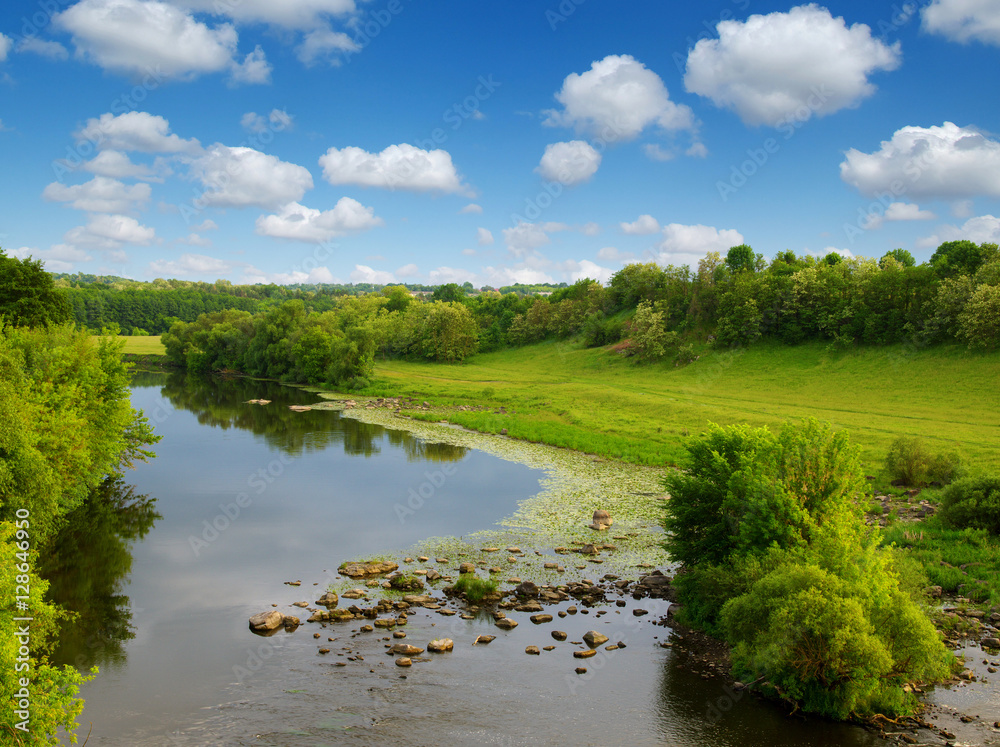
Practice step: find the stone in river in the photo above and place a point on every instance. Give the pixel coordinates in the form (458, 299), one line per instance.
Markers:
(506, 623)
(404, 661)
(369, 568)
(532, 650)
(265, 621)
(406, 649)
(585, 654)
(559, 635)
(440, 645)
(539, 619)
(483, 639)
(594, 639)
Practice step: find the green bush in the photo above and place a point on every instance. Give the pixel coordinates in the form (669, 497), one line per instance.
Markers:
(475, 588)
(909, 462)
(599, 330)
(973, 503)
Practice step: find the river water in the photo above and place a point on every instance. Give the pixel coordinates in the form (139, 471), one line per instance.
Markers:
(166, 567)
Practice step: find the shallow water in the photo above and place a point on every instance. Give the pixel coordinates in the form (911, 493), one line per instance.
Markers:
(242, 498)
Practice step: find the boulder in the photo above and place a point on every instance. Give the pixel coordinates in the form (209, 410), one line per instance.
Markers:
(594, 639)
(483, 639)
(440, 645)
(505, 623)
(526, 589)
(539, 619)
(368, 568)
(264, 621)
(559, 635)
(602, 520)
(467, 568)
(405, 649)
(586, 654)
(418, 599)
(330, 599)
(532, 650)
(404, 661)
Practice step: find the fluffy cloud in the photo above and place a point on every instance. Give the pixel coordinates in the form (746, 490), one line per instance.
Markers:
(586, 269)
(525, 238)
(295, 221)
(501, 276)
(99, 195)
(117, 165)
(110, 232)
(569, 163)
(963, 20)
(898, 211)
(5, 44)
(590, 229)
(256, 123)
(443, 275)
(139, 131)
(484, 237)
(771, 68)
(253, 275)
(324, 44)
(53, 50)
(617, 99)
(641, 226)
(471, 208)
(984, 228)
(190, 264)
(135, 37)
(58, 258)
(254, 69)
(244, 177)
(611, 254)
(408, 271)
(944, 162)
(365, 274)
(687, 244)
(401, 166)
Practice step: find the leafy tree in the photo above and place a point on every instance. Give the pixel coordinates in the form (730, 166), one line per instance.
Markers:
(741, 259)
(449, 293)
(449, 332)
(28, 296)
(979, 320)
(900, 255)
(961, 257)
(973, 503)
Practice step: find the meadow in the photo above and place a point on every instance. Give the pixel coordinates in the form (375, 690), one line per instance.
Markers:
(143, 345)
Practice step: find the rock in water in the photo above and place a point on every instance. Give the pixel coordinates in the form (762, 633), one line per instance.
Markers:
(330, 599)
(585, 654)
(506, 624)
(532, 650)
(368, 568)
(602, 520)
(406, 649)
(440, 645)
(483, 639)
(404, 661)
(594, 639)
(265, 621)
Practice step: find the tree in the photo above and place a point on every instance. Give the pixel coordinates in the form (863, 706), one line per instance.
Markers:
(961, 257)
(449, 292)
(900, 255)
(28, 296)
(741, 258)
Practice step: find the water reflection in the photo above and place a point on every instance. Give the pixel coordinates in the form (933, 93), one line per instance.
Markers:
(222, 403)
(87, 567)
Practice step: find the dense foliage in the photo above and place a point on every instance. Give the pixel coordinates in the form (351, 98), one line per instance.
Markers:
(778, 560)
(973, 503)
(910, 462)
(27, 294)
(66, 423)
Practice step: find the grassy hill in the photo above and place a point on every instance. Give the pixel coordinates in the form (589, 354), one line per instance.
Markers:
(595, 401)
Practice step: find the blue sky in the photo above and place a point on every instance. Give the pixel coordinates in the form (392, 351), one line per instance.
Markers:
(408, 141)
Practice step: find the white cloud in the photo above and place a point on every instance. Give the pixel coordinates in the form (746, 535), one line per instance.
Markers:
(846, 253)
(408, 271)
(50, 49)
(981, 229)
(57, 258)
(138, 37)
(117, 165)
(471, 208)
(656, 152)
(484, 237)
(139, 131)
(5, 44)
(99, 195)
(611, 254)
(569, 163)
(397, 167)
(525, 238)
(962, 208)
(324, 44)
(774, 67)
(963, 20)
(206, 225)
(253, 275)
(255, 69)
(295, 221)
(365, 274)
(193, 239)
(469, 252)
(642, 226)
(110, 232)
(617, 99)
(443, 275)
(501, 276)
(687, 244)
(928, 163)
(586, 269)
(244, 177)
(590, 229)
(190, 264)
(291, 14)
(898, 211)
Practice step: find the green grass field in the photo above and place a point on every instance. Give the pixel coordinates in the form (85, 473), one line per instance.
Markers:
(595, 401)
(145, 345)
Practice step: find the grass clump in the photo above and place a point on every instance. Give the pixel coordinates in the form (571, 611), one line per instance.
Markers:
(910, 462)
(475, 588)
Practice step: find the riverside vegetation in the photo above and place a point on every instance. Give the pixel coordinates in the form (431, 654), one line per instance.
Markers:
(631, 369)
(66, 427)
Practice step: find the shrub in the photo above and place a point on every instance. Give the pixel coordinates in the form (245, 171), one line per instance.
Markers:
(599, 330)
(909, 462)
(974, 503)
